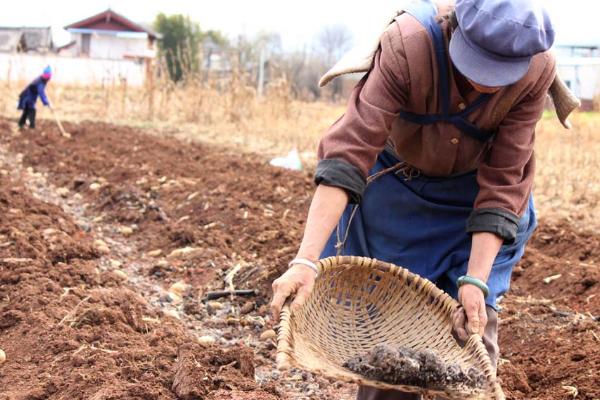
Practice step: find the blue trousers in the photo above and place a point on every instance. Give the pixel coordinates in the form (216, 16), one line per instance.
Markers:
(420, 223)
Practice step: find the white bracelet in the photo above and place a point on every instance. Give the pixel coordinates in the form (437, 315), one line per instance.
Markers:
(304, 261)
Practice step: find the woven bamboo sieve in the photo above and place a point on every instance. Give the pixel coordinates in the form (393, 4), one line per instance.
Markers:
(360, 302)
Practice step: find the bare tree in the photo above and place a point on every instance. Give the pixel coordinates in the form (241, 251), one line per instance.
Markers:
(303, 70)
(332, 42)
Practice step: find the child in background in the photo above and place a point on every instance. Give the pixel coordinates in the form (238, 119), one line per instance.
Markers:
(28, 98)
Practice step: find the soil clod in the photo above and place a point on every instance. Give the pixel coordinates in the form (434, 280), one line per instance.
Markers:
(404, 366)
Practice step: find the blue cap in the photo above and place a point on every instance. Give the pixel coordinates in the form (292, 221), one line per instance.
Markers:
(495, 39)
(47, 74)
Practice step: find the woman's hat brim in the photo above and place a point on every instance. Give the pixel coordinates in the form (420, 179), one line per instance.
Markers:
(483, 68)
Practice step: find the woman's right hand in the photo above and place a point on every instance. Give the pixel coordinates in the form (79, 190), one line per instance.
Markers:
(299, 281)
(326, 207)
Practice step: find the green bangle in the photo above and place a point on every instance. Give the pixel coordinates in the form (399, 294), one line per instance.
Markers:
(466, 279)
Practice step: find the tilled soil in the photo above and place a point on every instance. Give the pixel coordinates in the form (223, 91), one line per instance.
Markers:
(100, 296)
(72, 330)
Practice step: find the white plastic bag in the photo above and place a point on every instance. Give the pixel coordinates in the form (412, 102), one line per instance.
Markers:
(291, 161)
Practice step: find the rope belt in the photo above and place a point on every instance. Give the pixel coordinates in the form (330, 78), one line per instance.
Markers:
(408, 171)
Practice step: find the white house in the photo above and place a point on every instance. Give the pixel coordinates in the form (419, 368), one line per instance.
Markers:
(105, 49)
(578, 62)
(109, 35)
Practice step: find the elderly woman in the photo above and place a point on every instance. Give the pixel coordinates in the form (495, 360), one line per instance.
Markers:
(432, 165)
(28, 97)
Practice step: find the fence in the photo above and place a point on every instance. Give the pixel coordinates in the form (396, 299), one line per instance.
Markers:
(71, 70)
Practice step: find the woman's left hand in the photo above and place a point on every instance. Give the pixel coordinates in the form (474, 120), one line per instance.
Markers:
(471, 317)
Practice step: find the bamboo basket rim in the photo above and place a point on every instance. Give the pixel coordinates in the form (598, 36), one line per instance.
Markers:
(474, 347)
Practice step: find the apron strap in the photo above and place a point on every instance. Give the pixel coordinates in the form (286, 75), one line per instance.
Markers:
(470, 129)
(425, 12)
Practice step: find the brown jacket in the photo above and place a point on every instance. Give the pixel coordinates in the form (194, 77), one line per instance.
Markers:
(404, 77)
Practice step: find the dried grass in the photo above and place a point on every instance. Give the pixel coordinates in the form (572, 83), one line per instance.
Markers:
(567, 183)
(229, 112)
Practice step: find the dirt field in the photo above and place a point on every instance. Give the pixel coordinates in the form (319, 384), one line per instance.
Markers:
(110, 240)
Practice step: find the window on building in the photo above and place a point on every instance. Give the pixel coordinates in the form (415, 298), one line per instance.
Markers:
(85, 44)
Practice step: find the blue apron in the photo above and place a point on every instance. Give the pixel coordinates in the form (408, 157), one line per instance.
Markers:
(419, 222)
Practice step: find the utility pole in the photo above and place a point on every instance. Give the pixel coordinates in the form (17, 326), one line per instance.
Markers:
(261, 72)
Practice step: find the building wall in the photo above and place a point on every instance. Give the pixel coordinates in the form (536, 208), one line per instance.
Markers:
(110, 47)
(25, 39)
(71, 70)
(114, 47)
(582, 78)
(579, 66)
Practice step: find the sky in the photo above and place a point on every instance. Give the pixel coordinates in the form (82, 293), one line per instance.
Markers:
(298, 22)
